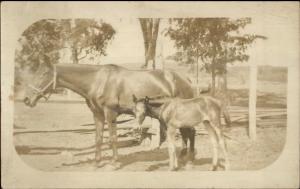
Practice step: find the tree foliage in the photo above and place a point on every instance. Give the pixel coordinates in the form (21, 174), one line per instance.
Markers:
(40, 38)
(48, 36)
(87, 36)
(216, 41)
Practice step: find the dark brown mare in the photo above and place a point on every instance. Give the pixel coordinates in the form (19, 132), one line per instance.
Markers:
(108, 91)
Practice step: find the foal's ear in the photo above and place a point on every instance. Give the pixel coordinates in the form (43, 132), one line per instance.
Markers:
(147, 99)
(134, 98)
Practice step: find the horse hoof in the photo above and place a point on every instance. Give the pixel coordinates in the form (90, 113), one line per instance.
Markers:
(113, 166)
(189, 166)
(213, 168)
(172, 169)
(110, 167)
(183, 153)
(98, 164)
(226, 167)
(117, 165)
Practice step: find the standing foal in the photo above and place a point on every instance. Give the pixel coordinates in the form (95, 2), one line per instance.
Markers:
(186, 113)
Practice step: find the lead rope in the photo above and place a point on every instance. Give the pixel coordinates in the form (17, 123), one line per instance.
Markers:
(54, 77)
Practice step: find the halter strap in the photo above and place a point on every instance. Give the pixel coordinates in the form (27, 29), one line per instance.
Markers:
(53, 81)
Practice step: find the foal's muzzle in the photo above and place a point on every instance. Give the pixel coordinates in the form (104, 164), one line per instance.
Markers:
(29, 102)
(26, 101)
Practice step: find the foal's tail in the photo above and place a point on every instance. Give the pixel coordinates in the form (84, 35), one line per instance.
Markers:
(226, 116)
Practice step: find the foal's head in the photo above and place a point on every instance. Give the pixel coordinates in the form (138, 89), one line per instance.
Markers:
(140, 108)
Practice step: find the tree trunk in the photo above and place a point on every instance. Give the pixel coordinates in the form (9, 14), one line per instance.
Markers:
(71, 44)
(149, 28)
(143, 23)
(222, 80)
(213, 80)
(155, 29)
(74, 55)
(225, 81)
(197, 80)
(252, 101)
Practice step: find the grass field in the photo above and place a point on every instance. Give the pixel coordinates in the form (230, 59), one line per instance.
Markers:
(56, 137)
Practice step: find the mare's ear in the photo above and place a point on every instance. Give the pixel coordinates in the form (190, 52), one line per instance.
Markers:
(134, 98)
(47, 61)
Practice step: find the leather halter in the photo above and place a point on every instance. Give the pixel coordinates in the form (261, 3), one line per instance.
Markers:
(41, 91)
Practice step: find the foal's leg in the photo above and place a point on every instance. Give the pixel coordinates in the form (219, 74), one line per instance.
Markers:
(172, 148)
(223, 147)
(214, 141)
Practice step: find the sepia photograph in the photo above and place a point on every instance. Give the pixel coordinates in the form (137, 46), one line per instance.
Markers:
(92, 98)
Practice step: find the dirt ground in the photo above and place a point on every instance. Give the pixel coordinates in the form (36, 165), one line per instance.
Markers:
(60, 137)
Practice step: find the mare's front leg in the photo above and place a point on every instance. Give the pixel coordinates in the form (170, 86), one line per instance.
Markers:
(99, 124)
(111, 118)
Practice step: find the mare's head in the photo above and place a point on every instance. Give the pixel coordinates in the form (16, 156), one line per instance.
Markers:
(42, 83)
(140, 108)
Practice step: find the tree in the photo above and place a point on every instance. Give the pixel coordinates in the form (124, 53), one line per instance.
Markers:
(150, 27)
(48, 36)
(215, 41)
(86, 36)
(40, 38)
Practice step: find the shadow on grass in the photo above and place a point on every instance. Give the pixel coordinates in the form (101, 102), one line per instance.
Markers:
(37, 150)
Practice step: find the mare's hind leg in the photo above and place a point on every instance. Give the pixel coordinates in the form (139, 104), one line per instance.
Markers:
(214, 141)
(192, 144)
(185, 135)
(172, 148)
(163, 130)
(188, 134)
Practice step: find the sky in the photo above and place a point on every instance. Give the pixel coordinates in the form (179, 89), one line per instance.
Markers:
(278, 50)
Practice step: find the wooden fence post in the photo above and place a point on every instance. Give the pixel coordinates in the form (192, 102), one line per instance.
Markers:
(252, 101)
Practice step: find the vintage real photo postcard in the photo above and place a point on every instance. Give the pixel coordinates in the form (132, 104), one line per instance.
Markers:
(150, 94)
